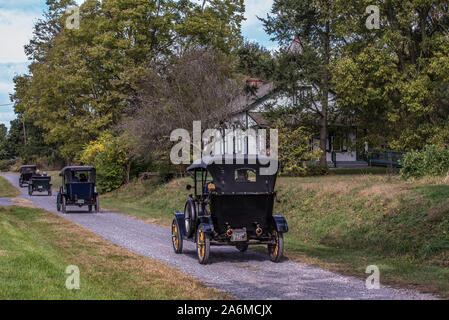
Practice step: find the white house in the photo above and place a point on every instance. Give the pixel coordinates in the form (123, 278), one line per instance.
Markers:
(248, 113)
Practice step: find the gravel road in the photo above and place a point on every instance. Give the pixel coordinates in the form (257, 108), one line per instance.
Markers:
(247, 275)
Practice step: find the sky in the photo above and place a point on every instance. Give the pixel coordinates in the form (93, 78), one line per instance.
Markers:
(16, 24)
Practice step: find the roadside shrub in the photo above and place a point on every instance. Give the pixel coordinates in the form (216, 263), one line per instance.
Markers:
(295, 150)
(6, 164)
(109, 158)
(432, 161)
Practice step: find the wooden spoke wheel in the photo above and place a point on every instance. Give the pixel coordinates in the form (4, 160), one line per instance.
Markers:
(202, 246)
(276, 250)
(176, 237)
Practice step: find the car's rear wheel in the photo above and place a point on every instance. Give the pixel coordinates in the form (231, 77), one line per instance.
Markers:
(189, 218)
(242, 247)
(276, 250)
(49, 192)
(176, 237)
(30, 190)
(97, 205)
(202, 246)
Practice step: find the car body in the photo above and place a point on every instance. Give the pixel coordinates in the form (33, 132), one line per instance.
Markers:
(77, 191)
(26, 172)
(232, 204)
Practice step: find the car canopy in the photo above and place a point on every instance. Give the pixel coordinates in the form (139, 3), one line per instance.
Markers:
(67, 173)
(225, 171)
(27, 169)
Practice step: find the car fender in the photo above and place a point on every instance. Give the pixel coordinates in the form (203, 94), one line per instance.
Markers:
(179, 216)
(281, 224)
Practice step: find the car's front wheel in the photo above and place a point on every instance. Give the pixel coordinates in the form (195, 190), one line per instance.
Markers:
(176, 237)
(202, 246)
(276, 250)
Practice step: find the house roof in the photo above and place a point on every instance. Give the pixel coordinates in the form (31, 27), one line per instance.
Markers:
(247, 101)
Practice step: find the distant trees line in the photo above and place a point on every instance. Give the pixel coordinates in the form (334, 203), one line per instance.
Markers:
(135, 70)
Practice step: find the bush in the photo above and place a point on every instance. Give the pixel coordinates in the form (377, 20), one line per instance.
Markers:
(304, 171)
(5, 165)
(432, 161)
(109, 158)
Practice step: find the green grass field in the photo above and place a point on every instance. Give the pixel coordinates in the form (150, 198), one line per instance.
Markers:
(7, 190)
(343, 222)
(37, 246)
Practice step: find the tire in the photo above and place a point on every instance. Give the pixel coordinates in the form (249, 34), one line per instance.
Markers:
(30, 190)
(276, 251)
(58, 206)
(50, 193)
(242, 247)
(189, 218)
(97, 205)
(202, 246)
(176, 236)
(63, 207)
(89, 208)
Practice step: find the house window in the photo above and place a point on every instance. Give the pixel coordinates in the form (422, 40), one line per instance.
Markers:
(303, 96)
(338, 142)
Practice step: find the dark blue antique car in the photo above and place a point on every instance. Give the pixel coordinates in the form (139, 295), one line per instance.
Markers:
(231, 204)
(78, 189)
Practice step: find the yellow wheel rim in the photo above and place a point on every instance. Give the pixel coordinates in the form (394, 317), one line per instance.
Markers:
(175, 235)
(201, 244)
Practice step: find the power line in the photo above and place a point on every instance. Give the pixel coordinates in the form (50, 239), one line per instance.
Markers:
(8, 104)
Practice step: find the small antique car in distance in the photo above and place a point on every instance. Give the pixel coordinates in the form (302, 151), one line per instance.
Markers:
(78, 189)
(231, 204)
(40, 183)
(26, 172)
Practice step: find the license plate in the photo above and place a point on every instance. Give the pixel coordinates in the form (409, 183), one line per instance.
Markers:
(81, 201)
(239, 235)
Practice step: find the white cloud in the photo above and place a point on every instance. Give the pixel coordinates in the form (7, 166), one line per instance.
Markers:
(16, 28)
(254, 8)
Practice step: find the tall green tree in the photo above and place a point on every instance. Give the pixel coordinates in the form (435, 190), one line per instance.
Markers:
(81, 81)
(394, 80)
(314, 25)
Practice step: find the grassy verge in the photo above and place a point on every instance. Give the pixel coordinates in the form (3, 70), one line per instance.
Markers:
(341, 222)
(150, 202)
(7, 190)
(37, 246)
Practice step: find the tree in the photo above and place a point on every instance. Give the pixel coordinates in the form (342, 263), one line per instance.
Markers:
(198, 86)
(3, 142)
(255, 61)
(313, 25)
(394, 80)
(80, 82)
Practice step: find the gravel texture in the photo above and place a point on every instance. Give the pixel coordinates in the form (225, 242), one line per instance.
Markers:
(247, 275)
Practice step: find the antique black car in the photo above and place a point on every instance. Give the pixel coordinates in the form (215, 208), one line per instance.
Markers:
(78, 189)
(232, 204)
(39, 183)
(26, 172)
